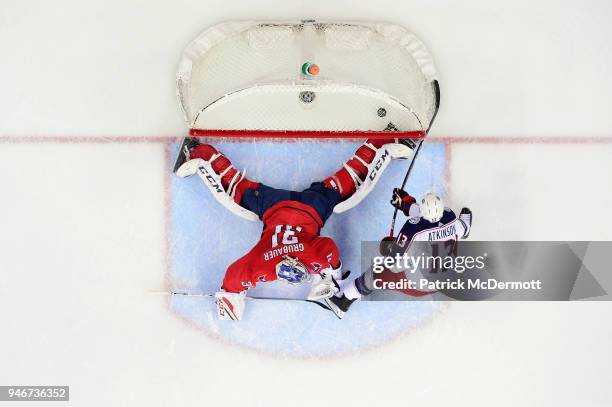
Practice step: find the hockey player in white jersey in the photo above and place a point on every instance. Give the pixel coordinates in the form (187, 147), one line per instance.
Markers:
(427, 220)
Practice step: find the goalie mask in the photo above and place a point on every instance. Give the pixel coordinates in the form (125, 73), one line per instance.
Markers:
(432, 207)
(291, 271)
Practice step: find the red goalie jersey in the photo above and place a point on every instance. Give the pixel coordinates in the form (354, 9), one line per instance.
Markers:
(291, 229)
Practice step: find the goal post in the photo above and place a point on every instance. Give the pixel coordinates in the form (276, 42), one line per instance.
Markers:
(307, 79)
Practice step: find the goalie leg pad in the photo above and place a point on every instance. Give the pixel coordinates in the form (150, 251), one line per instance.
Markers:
(361, 173)
(233, 181)
(184, 155)
(214, 183)
(225, 182)
(401, 149)
(353, 173)
(363, 187)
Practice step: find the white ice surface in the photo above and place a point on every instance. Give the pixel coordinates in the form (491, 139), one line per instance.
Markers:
(82, 224)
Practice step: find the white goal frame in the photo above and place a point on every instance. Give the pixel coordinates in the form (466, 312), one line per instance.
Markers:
(247, 79)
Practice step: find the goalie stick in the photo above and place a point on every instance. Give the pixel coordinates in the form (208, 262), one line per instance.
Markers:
(211, 295)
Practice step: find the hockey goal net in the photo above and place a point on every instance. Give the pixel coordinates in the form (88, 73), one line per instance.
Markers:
(307, 79)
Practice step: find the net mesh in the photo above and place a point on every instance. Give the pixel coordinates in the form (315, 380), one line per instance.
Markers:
(249, 76)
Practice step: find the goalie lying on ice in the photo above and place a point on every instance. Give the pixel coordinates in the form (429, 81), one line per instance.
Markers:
(290, 248)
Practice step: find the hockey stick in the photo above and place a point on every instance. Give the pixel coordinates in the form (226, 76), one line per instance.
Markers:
(416, 153)
(436, 86)
(212, 295)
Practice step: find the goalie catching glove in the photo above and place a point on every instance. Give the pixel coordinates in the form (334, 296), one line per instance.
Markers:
(325, 284)
(326, 292)
(334, 299)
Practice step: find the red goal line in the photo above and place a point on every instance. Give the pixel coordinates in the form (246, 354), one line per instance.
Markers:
(289, 136)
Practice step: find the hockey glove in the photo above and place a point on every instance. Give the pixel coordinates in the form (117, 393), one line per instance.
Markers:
(402, 200)
(230, 306)
(385, 245)
(325, 284)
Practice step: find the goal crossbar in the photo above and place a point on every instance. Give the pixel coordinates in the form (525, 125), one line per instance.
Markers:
(306, 134)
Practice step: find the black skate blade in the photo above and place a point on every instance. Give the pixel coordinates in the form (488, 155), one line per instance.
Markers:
(181, 158)
(320, 304)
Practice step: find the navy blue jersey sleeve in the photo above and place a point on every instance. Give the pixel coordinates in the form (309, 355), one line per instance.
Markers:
(448, 216)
